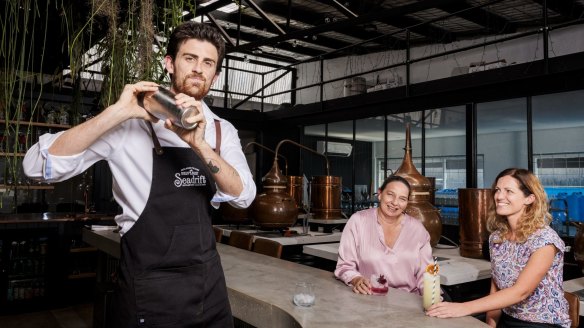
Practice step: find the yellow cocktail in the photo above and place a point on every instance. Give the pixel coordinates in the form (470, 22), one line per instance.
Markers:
(431, 293)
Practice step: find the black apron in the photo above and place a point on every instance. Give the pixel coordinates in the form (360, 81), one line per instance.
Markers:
(170, 272)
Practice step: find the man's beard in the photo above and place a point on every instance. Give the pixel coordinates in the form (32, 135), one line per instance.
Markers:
(197, 91)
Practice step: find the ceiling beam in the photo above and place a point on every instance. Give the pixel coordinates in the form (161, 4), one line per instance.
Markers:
(314, 19)
(257, 23)
(491, 23)
(344, 10)
(249, 37)
(431, 32)
(204, 10)
(567, 8)
(221, 30)
(266, 18)
(334, 26)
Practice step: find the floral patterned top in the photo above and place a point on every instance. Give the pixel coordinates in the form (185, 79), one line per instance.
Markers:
(547, 303)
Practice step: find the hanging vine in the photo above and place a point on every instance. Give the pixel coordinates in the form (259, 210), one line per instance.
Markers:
(132, 49)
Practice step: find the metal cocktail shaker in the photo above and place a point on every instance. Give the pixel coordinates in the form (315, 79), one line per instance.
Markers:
(161, 104)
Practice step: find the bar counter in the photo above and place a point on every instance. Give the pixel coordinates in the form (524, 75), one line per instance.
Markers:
(52, 217)
(261, 289)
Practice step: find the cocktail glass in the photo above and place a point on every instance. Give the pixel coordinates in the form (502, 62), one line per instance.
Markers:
(378, 284)
(431, 293)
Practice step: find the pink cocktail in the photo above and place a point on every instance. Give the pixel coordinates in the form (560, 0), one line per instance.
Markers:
(378, 284)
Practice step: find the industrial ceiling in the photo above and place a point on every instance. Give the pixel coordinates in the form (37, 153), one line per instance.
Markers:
(292, 31)
(304, 30)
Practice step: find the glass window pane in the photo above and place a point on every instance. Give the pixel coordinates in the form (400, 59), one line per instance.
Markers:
(369, 143)
(558, 154)
(501, 138)
(446, 147)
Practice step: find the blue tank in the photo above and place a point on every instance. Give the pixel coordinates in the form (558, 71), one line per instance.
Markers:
(573, 206)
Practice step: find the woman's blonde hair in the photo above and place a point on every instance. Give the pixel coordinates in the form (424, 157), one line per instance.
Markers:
(536, 214)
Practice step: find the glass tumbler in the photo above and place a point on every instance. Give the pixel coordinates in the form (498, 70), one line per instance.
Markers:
(304, 294)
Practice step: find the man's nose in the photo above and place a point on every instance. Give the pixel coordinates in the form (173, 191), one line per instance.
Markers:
(197, 67)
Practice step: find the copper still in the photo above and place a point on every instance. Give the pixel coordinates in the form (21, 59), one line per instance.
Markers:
(274, 208)
(578, 246)
(419, 204)
(325, 191)
(473, 205)
(325, 197)
(294, 189)
(294, 183)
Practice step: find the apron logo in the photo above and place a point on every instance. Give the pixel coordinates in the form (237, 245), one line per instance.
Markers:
(189, 177)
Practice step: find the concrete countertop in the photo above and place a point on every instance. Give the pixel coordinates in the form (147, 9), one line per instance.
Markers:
(261, 289)
(454, 269)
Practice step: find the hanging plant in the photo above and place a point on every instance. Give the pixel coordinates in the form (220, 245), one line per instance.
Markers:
(18, 22)
(132, 49)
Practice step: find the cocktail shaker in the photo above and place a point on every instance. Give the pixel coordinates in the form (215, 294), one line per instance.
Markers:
(161, 104)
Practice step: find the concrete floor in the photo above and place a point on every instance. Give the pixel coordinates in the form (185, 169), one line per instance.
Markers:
(77, 316)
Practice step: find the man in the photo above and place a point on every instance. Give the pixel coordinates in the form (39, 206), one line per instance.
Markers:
(170, 274)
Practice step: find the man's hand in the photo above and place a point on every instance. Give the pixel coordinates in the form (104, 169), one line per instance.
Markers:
(194, 137)
(128, 101)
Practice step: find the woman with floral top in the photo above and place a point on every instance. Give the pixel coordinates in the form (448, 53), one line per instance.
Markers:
(527, 259)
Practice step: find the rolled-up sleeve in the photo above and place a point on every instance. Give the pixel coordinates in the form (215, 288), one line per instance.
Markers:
(38, 164)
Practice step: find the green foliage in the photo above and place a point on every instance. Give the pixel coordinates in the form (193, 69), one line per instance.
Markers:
(126, 52)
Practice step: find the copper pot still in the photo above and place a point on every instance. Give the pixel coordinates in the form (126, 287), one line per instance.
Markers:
(419, 205)
(325, 197)
(473, 206)
(274, 208)
(578, 247)
(295, 190)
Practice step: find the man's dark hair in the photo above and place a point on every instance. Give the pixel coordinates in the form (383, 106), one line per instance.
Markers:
(193, 30)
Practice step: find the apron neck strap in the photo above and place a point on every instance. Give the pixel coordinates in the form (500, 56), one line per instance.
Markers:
(159, 150)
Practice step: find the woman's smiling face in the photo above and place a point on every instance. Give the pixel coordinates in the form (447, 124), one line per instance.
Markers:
(393, 200)
(510, 201)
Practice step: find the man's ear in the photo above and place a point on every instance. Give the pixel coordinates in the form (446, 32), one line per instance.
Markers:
(215, 78)
(169, 64)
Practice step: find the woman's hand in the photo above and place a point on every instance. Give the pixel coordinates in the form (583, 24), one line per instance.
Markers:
(448, 310)
(361, 285)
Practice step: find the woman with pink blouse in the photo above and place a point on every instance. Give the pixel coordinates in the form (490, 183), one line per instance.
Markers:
(527, 260)
(385, 241)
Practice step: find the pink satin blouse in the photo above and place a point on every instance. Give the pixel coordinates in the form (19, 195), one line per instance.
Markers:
(363, 252)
